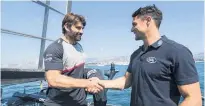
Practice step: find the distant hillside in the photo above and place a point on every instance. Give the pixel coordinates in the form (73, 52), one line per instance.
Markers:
(124, 60)
(199, 57)
(121, 60)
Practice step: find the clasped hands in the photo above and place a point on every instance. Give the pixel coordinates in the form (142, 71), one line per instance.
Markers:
(94, 85)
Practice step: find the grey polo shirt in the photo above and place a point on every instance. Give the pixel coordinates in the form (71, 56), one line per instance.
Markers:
(69, 59)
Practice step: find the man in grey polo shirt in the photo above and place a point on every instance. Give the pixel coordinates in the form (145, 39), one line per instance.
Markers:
(161, 70)
(64, 65)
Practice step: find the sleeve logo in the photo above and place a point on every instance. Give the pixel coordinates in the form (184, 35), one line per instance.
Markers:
(48, 57)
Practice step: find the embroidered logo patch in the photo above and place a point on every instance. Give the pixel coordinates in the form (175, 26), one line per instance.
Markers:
(151, 59)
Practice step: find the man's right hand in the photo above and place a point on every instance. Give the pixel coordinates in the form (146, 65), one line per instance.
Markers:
(93, 86)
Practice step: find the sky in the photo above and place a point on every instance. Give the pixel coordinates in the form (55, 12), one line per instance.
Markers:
(107, 32)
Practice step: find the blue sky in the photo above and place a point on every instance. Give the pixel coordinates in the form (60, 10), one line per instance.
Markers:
(107, 32)
(108, 25)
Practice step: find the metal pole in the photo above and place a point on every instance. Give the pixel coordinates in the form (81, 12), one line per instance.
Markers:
(45, 22)
(69, 7)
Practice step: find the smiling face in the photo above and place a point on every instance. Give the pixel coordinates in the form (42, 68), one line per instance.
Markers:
(72, 26)
(145, 20)
(139, 27)
(77, 30)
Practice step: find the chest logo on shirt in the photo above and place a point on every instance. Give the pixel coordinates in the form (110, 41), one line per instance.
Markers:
(151, 60)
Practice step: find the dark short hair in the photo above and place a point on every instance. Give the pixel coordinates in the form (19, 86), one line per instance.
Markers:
(72, 19)
(152, 11)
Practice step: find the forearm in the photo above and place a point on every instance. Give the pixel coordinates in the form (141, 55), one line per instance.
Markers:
(119, 83)
(191, 101)
(68, 82)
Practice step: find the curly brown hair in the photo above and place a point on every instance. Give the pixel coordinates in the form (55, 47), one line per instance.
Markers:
(72, 19)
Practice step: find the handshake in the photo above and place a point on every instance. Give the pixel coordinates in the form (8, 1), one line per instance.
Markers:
(95, 85)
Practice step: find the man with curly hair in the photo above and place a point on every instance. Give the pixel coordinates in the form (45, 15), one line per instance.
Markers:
(64, 65)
